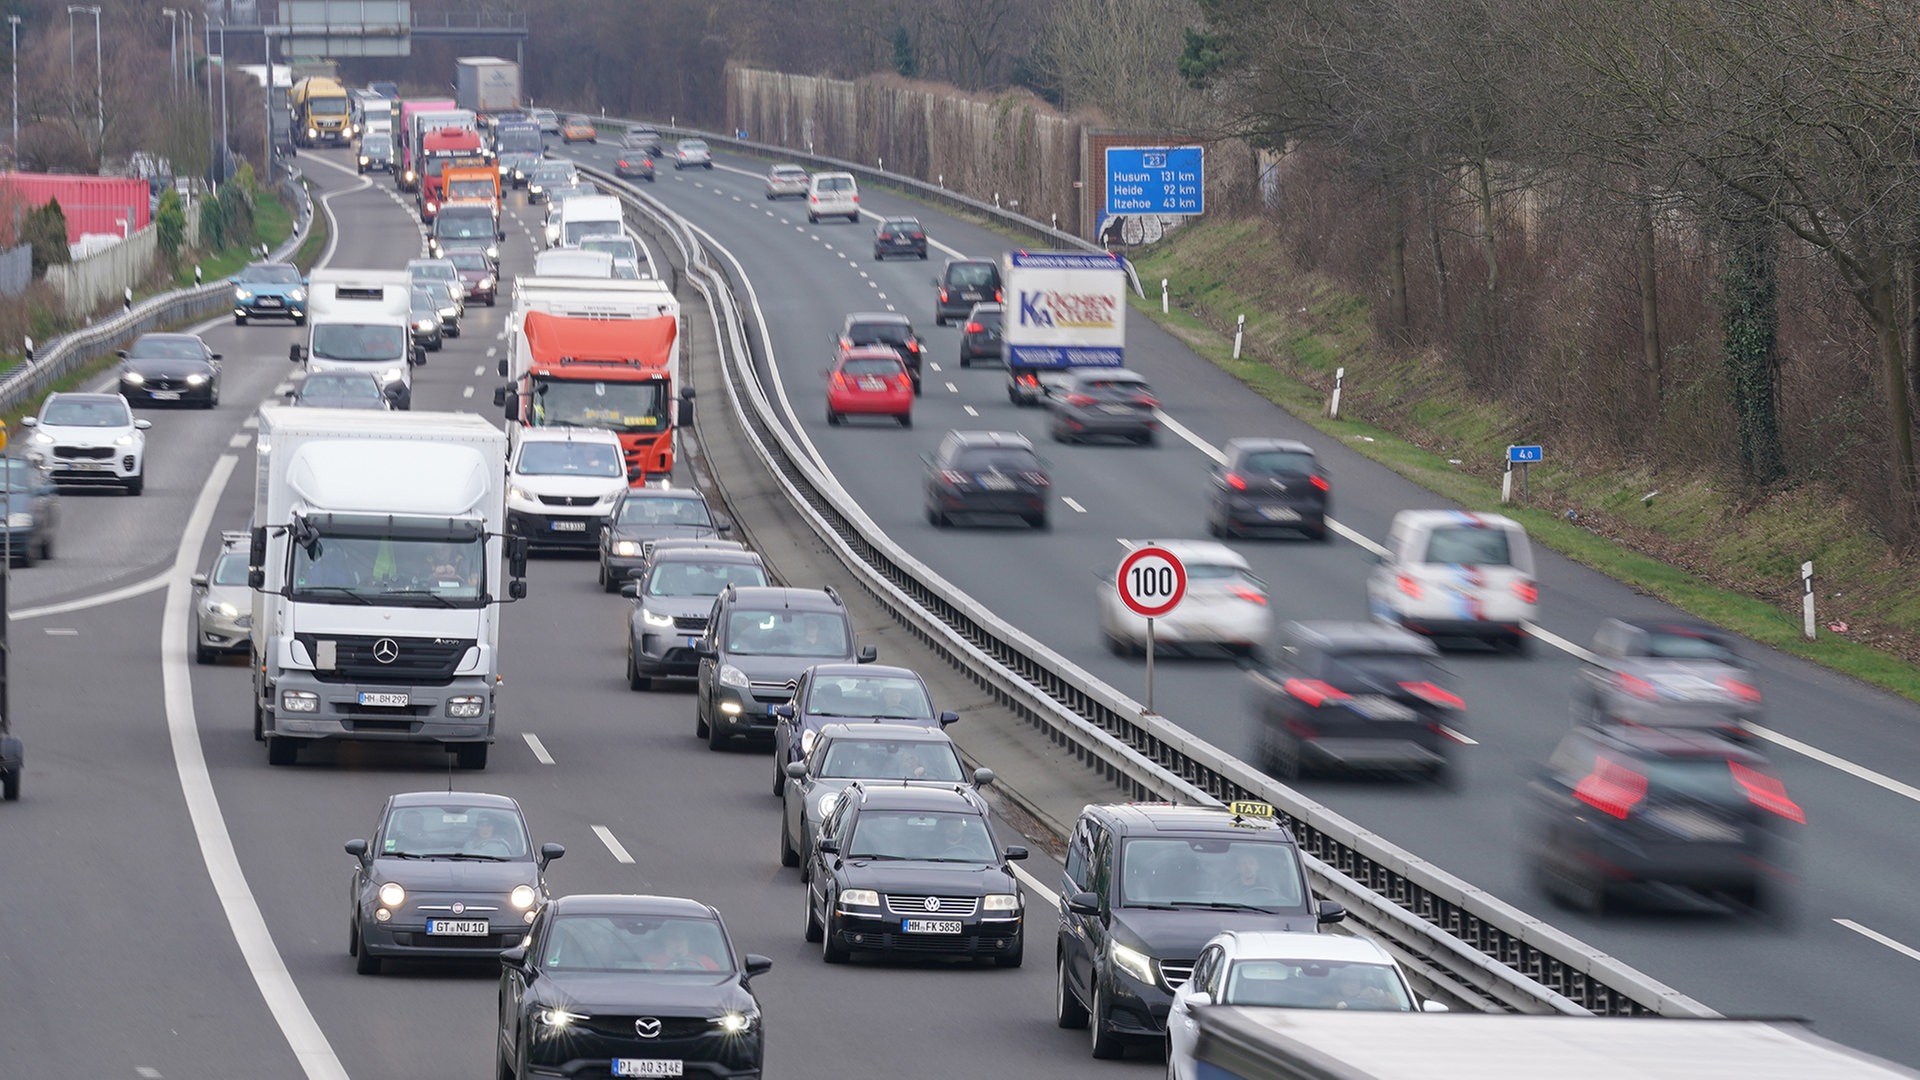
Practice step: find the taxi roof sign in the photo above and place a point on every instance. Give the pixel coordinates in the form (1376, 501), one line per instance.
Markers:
(1248, 808)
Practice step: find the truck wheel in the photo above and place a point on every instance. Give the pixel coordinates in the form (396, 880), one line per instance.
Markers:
(282, 751)
(259, 723)
(471, 756)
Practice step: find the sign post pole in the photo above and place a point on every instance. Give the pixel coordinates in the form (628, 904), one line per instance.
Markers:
(1523, 456)
(1151, 581)
(1339, 377)
(1150, 666)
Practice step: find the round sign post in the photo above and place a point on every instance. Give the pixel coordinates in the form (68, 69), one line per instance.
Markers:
(1152, 582)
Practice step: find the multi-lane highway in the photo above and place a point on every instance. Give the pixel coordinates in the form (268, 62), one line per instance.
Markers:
(179, 909)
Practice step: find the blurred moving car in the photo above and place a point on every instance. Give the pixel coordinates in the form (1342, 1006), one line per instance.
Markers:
(1269, 485)
(32, 511)
(986, 472)
(223, 602)
(848, 693)
(168, 368)
(673, 595)
(1088, 403)
(1617, 808)
(692, 154)
(963, 283)
(89, 439)
(899, 236)
(642, 140)
(341, 390)
(888, 328)
(869, 380)
(786, 180)
(1355, 696)
(1666, 673)
(579, 129)
(1225, 606)
(269, 290)
(980, 337)
(633, 165)
(547, 119)
(1456, 574)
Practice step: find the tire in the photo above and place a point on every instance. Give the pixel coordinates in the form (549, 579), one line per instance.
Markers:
(282, 751)
(939, 319)
(918, 389)
(717, 737)
(813, 219)
(259, 724)
(1520, 645)
(1067, 1010)
(503, 1068)
(138, 483)
(788, 856)
(829, 952)
(471, 756)
(812, 932)
(25, 558)
(1014, 958)
(363, 963)
(853, 217)
(10, 785)
(606, 580)
(906, 420)
(937, 519)
(635, 680)
(46, 547)
(709, 166)
(1147, 438)
(699, 723)
(833, 418)
(1102, 1042)
(1039, 522)
(202, 655)
(239, 320)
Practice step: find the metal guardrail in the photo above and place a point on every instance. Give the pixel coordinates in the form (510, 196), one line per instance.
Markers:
(1481, 943)
(55, 360)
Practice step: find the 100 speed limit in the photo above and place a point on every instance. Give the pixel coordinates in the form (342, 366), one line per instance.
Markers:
(1151, 581)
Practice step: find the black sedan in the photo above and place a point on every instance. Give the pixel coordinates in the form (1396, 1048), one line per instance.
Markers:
(629, 986)
(913, 871)
(848, 693)
(32, 511)
(448, 875)
(1269, 484)
(340, 390)
(170, 368)
(980, 337)
(899, 236)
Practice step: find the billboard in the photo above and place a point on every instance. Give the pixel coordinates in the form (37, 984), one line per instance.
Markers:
(1064, 309)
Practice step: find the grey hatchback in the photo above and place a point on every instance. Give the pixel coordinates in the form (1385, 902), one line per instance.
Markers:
(1112, 402)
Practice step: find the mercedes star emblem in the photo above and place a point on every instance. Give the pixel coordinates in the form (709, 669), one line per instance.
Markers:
(933, 903)
(386, 650)
(647, 1027)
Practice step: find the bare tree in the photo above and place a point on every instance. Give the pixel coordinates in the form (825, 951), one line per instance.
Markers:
(1122, 58)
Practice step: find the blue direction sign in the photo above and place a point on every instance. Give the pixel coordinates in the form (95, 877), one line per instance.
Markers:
(1156, 180)
(1524, 455)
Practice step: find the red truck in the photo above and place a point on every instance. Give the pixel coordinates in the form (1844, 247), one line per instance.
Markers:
(439, 149)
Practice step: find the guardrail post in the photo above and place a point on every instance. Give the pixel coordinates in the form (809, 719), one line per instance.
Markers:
(127, 298)
(1056, 221)
(29, 341)
(196, 273)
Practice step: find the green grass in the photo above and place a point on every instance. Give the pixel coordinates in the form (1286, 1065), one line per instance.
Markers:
(1704, 546)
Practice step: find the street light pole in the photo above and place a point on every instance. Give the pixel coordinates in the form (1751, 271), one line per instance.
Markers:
(173, 47)
(14, 60)
(226, 147)
(99, 74)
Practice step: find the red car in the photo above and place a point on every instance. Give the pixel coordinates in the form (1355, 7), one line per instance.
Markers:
(870, 380)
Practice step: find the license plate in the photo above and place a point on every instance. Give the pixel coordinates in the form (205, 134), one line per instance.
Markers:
(870, 383)
(647, 1067)
(1279, 513)
(269, 301)
(457, 927)
(994, 482)
(166, 395)
(1116, 409)
(86, 466)
(973, 294)
(1377, 707)
(569, 526)
(390, 700)
(929, 926)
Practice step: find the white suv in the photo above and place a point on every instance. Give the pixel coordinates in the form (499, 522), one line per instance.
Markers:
(90, 439)
(1451, 573)
(832, 194)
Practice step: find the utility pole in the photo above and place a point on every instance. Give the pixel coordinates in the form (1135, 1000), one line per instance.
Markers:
(213, 150)
(173, 47)
(226, 148)
(14, 59)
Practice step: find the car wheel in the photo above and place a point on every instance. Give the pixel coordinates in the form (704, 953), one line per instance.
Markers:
(939, 319)
(813, 219)
(607, 580)
(635, 680)
(709, 166)
(1014, 958)
(923, 256)
(137, 483)
(906, 420)
(435, 345)
(213, 397)
(788, 856)
(716, 737)
(780, 784)
(833, 418)
(299, 320)
(1067, 1010)
(10, 785)
(1146, 438)
(282, 751)
(936, 519)
(1039, 522)
(1520, 644)
(471, 756)
(965, 361)
(503, 1067)
(699, 722)
(202, 654)
(491, 300)
(1103, 1043)
(917, 388)
(813, 924)
(365, 963)
(46, 547)
(854, 217)
(239, 320)
(1318, 531)
(830, 951)
(259, 723)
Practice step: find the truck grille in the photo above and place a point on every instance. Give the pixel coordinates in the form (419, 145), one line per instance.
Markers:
(419, 661)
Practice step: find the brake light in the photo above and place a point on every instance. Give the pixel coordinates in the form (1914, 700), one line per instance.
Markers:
(1526, 590)
(1249, 595)
(1079, 399)
(957, 479)
(1767, 792)
(1744, 691)
(913, 346)
(1029, 380)
(943, 296)
(916, 236)
(1146, 402)
(856, 200)
(1314, 692)
(1409, 586)
(906, 381)
(1236, 481)
(839, 381)
(1037, 479)
(1434, 695)
(623, 163)
(1635, 685)
(996, 296)
(1612, 788)
(974, 328)
(1320, 482)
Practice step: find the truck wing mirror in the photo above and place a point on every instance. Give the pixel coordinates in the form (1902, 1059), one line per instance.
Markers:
(500, 396)
(296, 352)
(683, 413)
(503, 367)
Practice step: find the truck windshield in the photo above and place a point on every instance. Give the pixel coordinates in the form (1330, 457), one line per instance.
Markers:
(354, 341)
(404, 571)
(617, 406)
(464, 225)
(470, 189)
(327, 106)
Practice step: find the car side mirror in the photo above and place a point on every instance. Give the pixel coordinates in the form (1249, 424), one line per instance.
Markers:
(868, 654)
(357, 849)
(797, 770)
(256, 578)
(637, 573)
(517, 556)
(235, 280)
(512, 408)
(550, 852)
(142, 425)
(500, 234)
(1328, 911)
(121, 353)
(515, 958)
(29, 421)
(1083, 903)
(757, 965)
(296, 352)
(949, 718)
(784, 712)
(630, 590)
(982, 777)
(722, 525)
(517, 589)
(1015, 853)
(1434, 1007)
(217, 356)
(704, 651)
(827, 845)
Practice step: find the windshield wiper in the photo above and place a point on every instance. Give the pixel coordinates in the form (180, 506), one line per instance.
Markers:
(1224, 905)
(477, 857)
(882, 858)
(340, 590)
(428, 593)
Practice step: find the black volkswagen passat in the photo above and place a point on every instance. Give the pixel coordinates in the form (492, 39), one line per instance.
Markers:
(448, 875)
(170, 367)
(611, 985)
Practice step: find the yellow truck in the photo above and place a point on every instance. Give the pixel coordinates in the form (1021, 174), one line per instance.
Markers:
(320, 110)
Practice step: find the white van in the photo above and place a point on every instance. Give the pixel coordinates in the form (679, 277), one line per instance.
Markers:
(833, 194)
(1453, 574)
(573, 263)
(361, 320)
(588, 215)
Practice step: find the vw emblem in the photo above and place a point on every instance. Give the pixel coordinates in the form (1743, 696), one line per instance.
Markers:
(647, 1027)
(386, 650)
(459, 908)
(932, 903)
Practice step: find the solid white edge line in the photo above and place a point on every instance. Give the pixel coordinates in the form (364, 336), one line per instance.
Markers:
(249, 926)
(333, 223)
(1881, 780)
(613, 845)
(1907, 951)
(539, 748)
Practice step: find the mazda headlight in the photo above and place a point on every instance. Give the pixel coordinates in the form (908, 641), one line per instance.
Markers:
(556, 1020)
(1000, 902)
(827, 802)
(734, 677)
(1133, 962)
(652, 619)
(522, 897)
(626, 549)
(859, 898)
(21, 520)
(806, 740)
(735, 1023)
(133, 377)
(392, 895)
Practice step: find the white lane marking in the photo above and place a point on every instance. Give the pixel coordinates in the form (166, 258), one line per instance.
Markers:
(539, 748)
(1031, 882)
(466, 391)
(933, 365)
(492, 350)
(146, 1073)
(482, 369)
(111, 596)
(1072, 505)
(62, 631)
(829, 247)
(249, 926)
(333, 222)
(283, 389)
(1877, 779)
(1460, 737)
(251, 423)
(871, 284)
(952, 389)
(863, 273)
(971, 411)
(1907, 951)
(883, 296)
(606, 837)
(239, 441)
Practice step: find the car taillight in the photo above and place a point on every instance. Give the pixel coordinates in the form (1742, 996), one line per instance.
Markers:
(1434, 695)
(1767, 792)
(1744, 691)
(913, 346)
(1635, 685)
(1236, 481)
(906, 381)
(996, 296)
(856, 200)
(1037, 479)
(839, 381)
(1526, 590)
(1409, 586)
(916, 236)
(1081, 400)
(974, 328)
(943, 296)
(623, 163)
(1029, 380)
(957, 479)
(1251, 596)
(1314, 692)
(1612, 788)
(1146, 402)
(1320, 482)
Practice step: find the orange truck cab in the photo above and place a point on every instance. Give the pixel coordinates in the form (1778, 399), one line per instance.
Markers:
(462, 182)
(458, 147)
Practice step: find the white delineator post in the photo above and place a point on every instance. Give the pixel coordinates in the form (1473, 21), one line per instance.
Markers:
(1339, 377)
(1163, 296)
(1239, 332)
(1806, 598)
(1506, 483)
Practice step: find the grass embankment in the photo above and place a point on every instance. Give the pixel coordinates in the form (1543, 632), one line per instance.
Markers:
(1703, 545)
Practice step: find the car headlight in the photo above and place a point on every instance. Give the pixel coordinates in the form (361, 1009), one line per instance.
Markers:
(487, 282)
(522, 896)
(241, 296)
(426, 323)
(557, 1020)
(409, 175)
(300, 701)
(222, 609)
(124, 440)
(626, 549)
(827, 802)
(391, 894)
(22, 520)
(860, 898)
(493, 252)
(735, 1023)
(534, 189)
(133, 377)
(297, 295)
(1000, 902)
(518, 494)
(393, 374)
(433, 208)
(363, 159)
(503, 169)
(652, 619)
(806, 740)
(451, 311)
(312, 134)
(734, 677)
(41, 438)
(196, 380)
(1133, 962)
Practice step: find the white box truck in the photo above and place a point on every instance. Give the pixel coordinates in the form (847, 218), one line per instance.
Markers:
(1064, 309)
(360, 320)
(376, 559)
(488, 85)
(588, 215)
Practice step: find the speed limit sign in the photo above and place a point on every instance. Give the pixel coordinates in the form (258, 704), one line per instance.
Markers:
(1151, 581)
